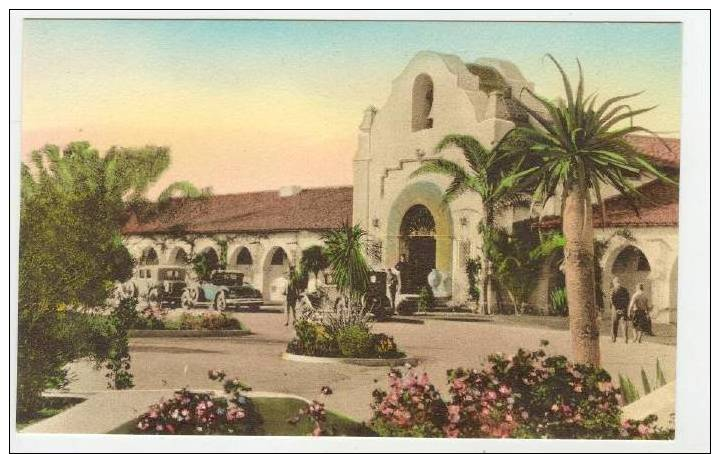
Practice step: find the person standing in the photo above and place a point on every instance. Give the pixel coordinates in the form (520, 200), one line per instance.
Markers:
(639, 313)
(403, 271)
(291, 296)
(392, 285)
(620, 300)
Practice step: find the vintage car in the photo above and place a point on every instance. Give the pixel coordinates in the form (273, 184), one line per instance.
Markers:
(223, 290)
(163, 285)
(376, 299)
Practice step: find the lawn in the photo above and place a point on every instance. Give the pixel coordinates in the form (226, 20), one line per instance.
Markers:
(276, 412)
(52, 406)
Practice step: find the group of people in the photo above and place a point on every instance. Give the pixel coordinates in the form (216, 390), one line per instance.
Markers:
(630, 310)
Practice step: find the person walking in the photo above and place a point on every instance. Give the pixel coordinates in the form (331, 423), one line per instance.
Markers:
(639, 313)
(392, 285)
(291, 296)
(620, 300)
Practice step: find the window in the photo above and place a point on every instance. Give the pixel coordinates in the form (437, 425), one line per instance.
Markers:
(422, 102)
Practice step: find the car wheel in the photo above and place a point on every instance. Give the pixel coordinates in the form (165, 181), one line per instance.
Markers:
(187, 300)
(220, 302)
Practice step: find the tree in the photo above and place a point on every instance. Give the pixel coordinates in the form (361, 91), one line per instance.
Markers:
(490, 173)
(314, 261)
(346, 261)
(580, 148)
(71, 253)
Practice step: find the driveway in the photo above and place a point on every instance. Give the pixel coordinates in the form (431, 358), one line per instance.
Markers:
(171, 363)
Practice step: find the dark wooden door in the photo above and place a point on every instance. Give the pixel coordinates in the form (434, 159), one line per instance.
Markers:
(421, 255)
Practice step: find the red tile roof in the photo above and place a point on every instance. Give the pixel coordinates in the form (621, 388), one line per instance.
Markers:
(665, 154)
(660, 208)
(311, 209)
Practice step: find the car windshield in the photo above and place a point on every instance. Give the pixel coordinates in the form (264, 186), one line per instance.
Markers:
(225, 278)
(172, 274)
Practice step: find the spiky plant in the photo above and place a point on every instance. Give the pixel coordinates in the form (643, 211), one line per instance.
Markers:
(350, 272)
(576, 148)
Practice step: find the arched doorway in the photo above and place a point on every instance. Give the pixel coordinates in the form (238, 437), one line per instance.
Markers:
(418, 245)
(276, 269)
(242, 261)
(179, 257)
(422, 102)
(149, 256)
(631, 266)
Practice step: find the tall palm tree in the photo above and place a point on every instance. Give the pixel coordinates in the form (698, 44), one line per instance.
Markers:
(314, 260)
(491, 173)
(580, 148)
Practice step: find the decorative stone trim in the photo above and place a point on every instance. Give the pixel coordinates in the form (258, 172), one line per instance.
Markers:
(188, 333)
(368, 362)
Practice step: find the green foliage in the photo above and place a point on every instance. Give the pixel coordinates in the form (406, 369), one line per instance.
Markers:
(628, 390)
(355, 342)
(314, 260)
(659, 375)
(472, 268)
(204, 264)
(71, 253)
(347, 341)
(426, 299)
(647, 389)
(558, 302)
(207, 321)
(576, 144)
(350, 272)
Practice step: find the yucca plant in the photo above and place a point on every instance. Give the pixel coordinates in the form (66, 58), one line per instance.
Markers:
(575, 148)
(628, 390)
(350, 273)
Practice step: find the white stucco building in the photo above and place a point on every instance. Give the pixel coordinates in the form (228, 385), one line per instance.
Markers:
(435, 95)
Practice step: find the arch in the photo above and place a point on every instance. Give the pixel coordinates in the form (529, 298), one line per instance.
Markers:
(417, 244)
(422, 102)
(419, 212)
(632, 267)
(149, 256)
(276, 267)
(241, 260)
(178, 256)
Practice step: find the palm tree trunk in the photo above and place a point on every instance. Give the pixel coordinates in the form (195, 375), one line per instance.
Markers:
(579, 275)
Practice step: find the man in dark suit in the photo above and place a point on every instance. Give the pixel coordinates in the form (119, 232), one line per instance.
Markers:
(620, 300)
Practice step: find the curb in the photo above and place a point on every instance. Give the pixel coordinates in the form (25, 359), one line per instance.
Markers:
(188, 333)
(369, 362)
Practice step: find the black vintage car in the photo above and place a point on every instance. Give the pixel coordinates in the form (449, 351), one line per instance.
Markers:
(163, 285)
(224, 289)
(376, 298)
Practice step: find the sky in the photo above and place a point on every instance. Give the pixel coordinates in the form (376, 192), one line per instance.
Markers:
(255, 105)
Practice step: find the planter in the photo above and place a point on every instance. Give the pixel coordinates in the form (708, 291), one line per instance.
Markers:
(188, 333)
(369, 362)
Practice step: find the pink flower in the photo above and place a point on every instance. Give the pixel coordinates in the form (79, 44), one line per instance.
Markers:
(491, 395)
(454, 414)
(524, 415)
(555, 407)
(577, 388)
(504, 389)
(508, 417)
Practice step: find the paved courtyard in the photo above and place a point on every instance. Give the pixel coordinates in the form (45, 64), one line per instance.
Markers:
(170, 363)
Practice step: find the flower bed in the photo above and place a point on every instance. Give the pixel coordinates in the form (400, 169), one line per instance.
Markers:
(527, 395)
(158, 319)
(348, 341)
(191, 413)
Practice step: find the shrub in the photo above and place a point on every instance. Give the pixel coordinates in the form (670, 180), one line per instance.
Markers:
(527, 395)
(355, 341)
(189, 413)
(558, 302)
(411, 408)
(426, 300)
(384, 346)
(208, 321)
(312, 339)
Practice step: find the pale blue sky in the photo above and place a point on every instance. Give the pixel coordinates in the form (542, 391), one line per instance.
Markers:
(273, 87)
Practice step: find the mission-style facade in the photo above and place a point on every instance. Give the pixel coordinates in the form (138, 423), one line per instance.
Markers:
(435, 95)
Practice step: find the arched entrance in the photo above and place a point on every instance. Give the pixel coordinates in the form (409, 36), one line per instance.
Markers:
(275, 270)
(242, 261)
(418, 245)
(149, 256)
(631, 266)
(419, 225)
(178, 257)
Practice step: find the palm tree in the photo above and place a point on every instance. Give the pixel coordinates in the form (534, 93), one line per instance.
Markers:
(313, 261)
(580, 148)
(350, 272)
(493, 174)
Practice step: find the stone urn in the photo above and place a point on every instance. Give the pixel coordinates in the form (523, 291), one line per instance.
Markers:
(434, 279)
